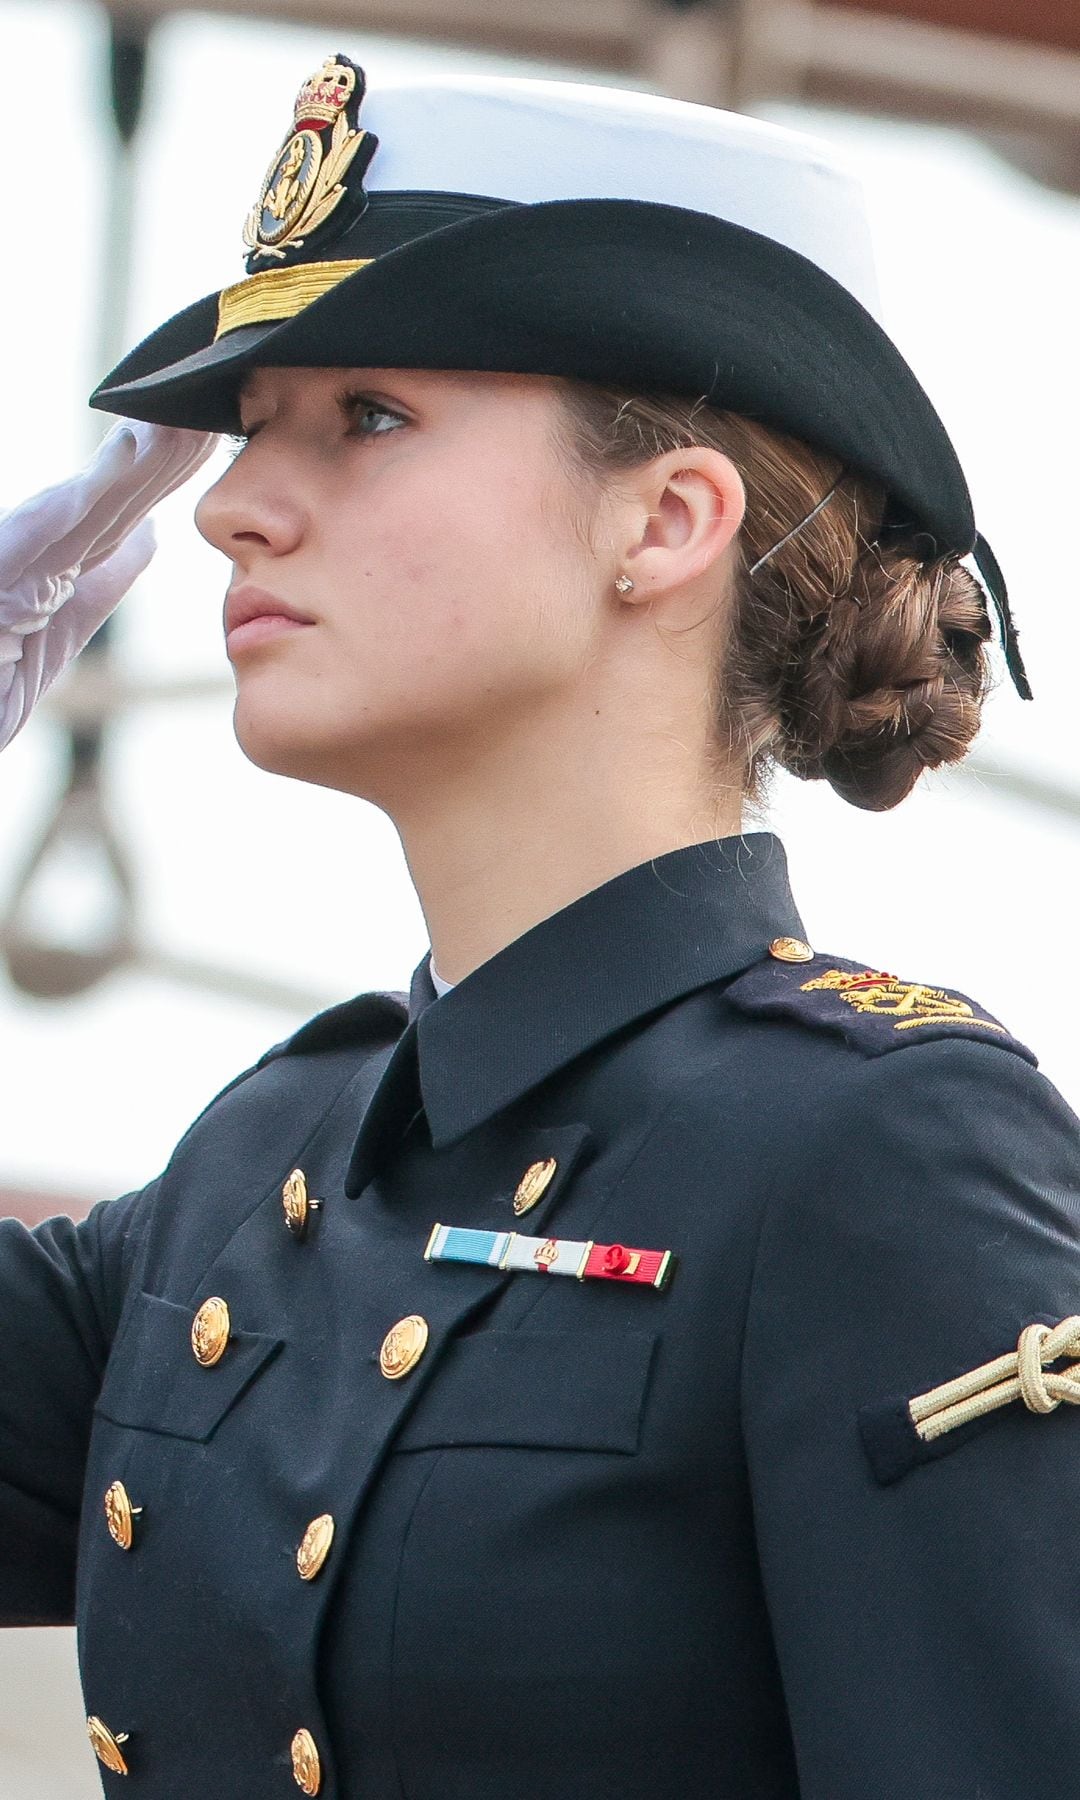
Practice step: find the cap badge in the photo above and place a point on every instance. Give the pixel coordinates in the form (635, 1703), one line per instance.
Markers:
(305, 181)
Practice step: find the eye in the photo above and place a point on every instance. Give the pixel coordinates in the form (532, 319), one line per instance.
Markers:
(367, 417)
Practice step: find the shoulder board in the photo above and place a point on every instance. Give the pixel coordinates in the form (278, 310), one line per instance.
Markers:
(362, 1022)
(873, 1011)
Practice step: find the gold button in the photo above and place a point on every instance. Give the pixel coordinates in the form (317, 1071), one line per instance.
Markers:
(315, 1546)
(106, 1747)
(791, 950)
(403, 1346)
(120, 1515)
(533, 1183)
(210, 1332)
(298, 1203)
(306, 1767)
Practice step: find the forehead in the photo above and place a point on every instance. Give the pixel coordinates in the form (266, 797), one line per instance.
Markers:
(270, 385)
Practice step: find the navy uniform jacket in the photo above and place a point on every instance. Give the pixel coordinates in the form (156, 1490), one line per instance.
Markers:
(602, 1541)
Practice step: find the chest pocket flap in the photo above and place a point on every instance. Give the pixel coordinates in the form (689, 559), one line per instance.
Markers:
(153, 1382)
(576, 1390)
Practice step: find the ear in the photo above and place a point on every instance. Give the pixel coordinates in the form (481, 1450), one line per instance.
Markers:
(686, 508)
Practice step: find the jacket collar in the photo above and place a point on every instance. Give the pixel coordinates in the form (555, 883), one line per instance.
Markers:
(644, 938)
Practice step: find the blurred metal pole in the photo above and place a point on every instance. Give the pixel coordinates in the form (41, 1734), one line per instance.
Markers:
(129, 39)
(692, 49)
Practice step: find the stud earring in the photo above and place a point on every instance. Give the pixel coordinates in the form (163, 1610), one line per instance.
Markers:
(624, 584)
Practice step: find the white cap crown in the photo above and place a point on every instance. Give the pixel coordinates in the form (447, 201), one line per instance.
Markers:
(530, 140)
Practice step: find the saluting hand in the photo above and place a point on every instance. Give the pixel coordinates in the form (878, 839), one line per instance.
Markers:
(69, 555)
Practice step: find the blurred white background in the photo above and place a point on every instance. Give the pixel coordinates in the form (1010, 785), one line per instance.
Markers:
(979, 270)
(960, 886)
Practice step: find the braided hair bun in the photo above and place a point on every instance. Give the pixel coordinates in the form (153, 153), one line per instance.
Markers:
(851, 658)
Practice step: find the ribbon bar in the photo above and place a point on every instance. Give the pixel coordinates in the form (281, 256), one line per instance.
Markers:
(549, 1256)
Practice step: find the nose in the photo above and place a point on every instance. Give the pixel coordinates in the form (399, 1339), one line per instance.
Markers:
(249, 512)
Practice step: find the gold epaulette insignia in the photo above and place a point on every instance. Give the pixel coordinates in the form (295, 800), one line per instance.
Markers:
(1021, 1374)
(872, 1011)
(907, 1003)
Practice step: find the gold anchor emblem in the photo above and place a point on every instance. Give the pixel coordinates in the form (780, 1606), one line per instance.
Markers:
(106, 1745)
(210, 1331)
(120, 1515)
(298, 1203)
(315, 1547)
(403, 1346)
(307, 1769)
(533, 1183)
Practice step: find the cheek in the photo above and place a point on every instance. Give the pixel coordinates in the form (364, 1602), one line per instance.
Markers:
(454, 600)
(470, 587)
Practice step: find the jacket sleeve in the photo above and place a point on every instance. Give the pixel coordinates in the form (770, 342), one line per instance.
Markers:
(61, 1287)
(923, 1598)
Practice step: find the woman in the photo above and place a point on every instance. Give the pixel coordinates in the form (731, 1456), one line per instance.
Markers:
(577, 488)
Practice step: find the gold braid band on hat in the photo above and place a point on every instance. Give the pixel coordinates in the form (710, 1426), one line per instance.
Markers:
(1022, 1374)
(280, 293)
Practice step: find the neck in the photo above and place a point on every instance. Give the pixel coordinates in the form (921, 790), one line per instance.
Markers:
(553, 792)
(485, 875)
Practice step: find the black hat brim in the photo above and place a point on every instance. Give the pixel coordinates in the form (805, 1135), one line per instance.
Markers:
(624, 293)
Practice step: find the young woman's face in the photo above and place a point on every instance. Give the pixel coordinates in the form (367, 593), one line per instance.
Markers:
(422, 522)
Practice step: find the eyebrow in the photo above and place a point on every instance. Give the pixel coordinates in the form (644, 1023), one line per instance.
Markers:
(342, 396)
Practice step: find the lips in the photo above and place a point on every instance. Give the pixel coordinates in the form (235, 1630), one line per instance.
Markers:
(243, 604)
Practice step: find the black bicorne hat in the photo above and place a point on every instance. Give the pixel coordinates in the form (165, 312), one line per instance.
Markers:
(553, 228)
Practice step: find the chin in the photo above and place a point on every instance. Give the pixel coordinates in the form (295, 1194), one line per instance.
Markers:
(281, 744)
(284, 744)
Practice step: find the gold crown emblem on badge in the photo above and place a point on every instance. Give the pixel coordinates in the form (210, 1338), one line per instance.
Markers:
(324, 95)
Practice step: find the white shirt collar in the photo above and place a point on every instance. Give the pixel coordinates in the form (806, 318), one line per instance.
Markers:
(441, 987)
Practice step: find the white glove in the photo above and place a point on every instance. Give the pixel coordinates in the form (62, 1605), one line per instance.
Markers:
(69, 555)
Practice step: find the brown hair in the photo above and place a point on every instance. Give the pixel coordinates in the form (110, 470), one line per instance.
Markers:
(842, 658)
